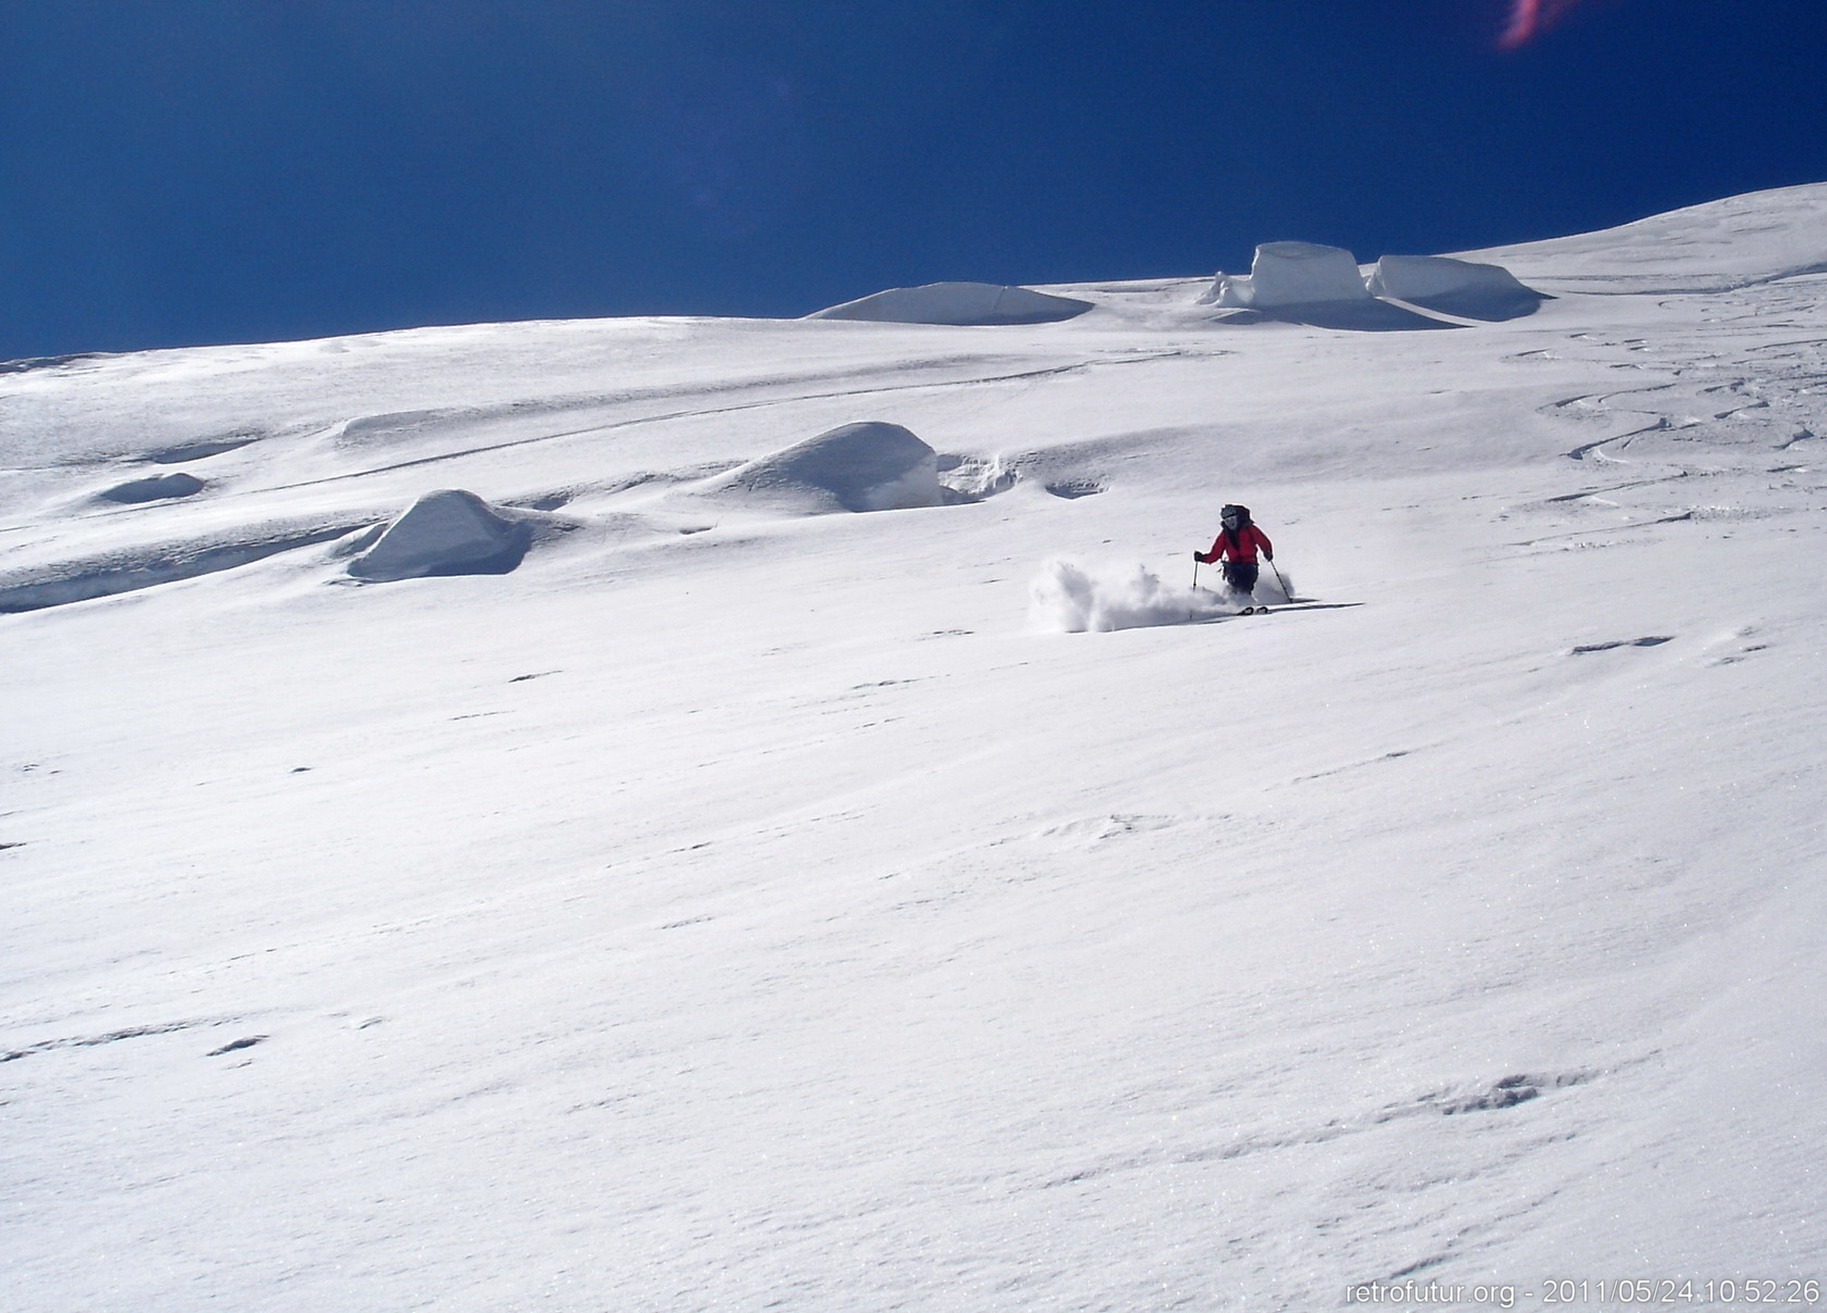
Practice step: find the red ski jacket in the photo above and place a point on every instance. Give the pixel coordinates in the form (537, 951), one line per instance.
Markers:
(1243, 547)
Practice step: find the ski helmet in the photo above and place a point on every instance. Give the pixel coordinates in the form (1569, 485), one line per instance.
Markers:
(1235, 517)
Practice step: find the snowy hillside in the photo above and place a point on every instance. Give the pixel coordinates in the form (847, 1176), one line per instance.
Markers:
(689, 864)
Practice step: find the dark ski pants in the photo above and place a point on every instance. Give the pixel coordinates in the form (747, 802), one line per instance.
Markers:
(1240, 576)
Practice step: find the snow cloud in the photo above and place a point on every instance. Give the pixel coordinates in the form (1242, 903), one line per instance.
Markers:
(1070, 598)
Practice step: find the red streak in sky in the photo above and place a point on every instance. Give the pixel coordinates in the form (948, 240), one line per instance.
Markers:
(1530, 18)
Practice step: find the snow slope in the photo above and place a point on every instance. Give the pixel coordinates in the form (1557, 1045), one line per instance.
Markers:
(739, 906)
(1727, 244)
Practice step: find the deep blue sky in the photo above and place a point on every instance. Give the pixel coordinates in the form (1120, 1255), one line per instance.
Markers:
(192, 171)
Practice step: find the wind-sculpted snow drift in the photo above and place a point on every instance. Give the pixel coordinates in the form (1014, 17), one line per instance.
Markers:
(160, 560)
(159, 487)
(961, 305)
(445, 532)
(871, 466)
(1306, 283)
(1454, 287)
(1292, 274)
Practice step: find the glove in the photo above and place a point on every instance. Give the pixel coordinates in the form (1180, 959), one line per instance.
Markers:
(1268, 556)
(1202, 558)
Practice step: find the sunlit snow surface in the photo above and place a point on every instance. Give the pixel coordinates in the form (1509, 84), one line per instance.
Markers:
(737, 905)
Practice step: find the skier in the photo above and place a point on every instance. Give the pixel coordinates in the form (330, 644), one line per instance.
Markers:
(1236, 545)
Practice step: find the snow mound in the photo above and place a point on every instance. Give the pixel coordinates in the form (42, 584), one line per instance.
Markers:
(160, 487)
(1292, 274)
(1455, 287)
(449, 531)
(871, 466)
(1068, 598)
(957, 304)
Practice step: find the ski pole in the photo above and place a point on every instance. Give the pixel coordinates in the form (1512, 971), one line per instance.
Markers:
(1285, 590)
(1195, 571)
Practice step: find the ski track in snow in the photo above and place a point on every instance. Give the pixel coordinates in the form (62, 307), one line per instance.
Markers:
(730, 907)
